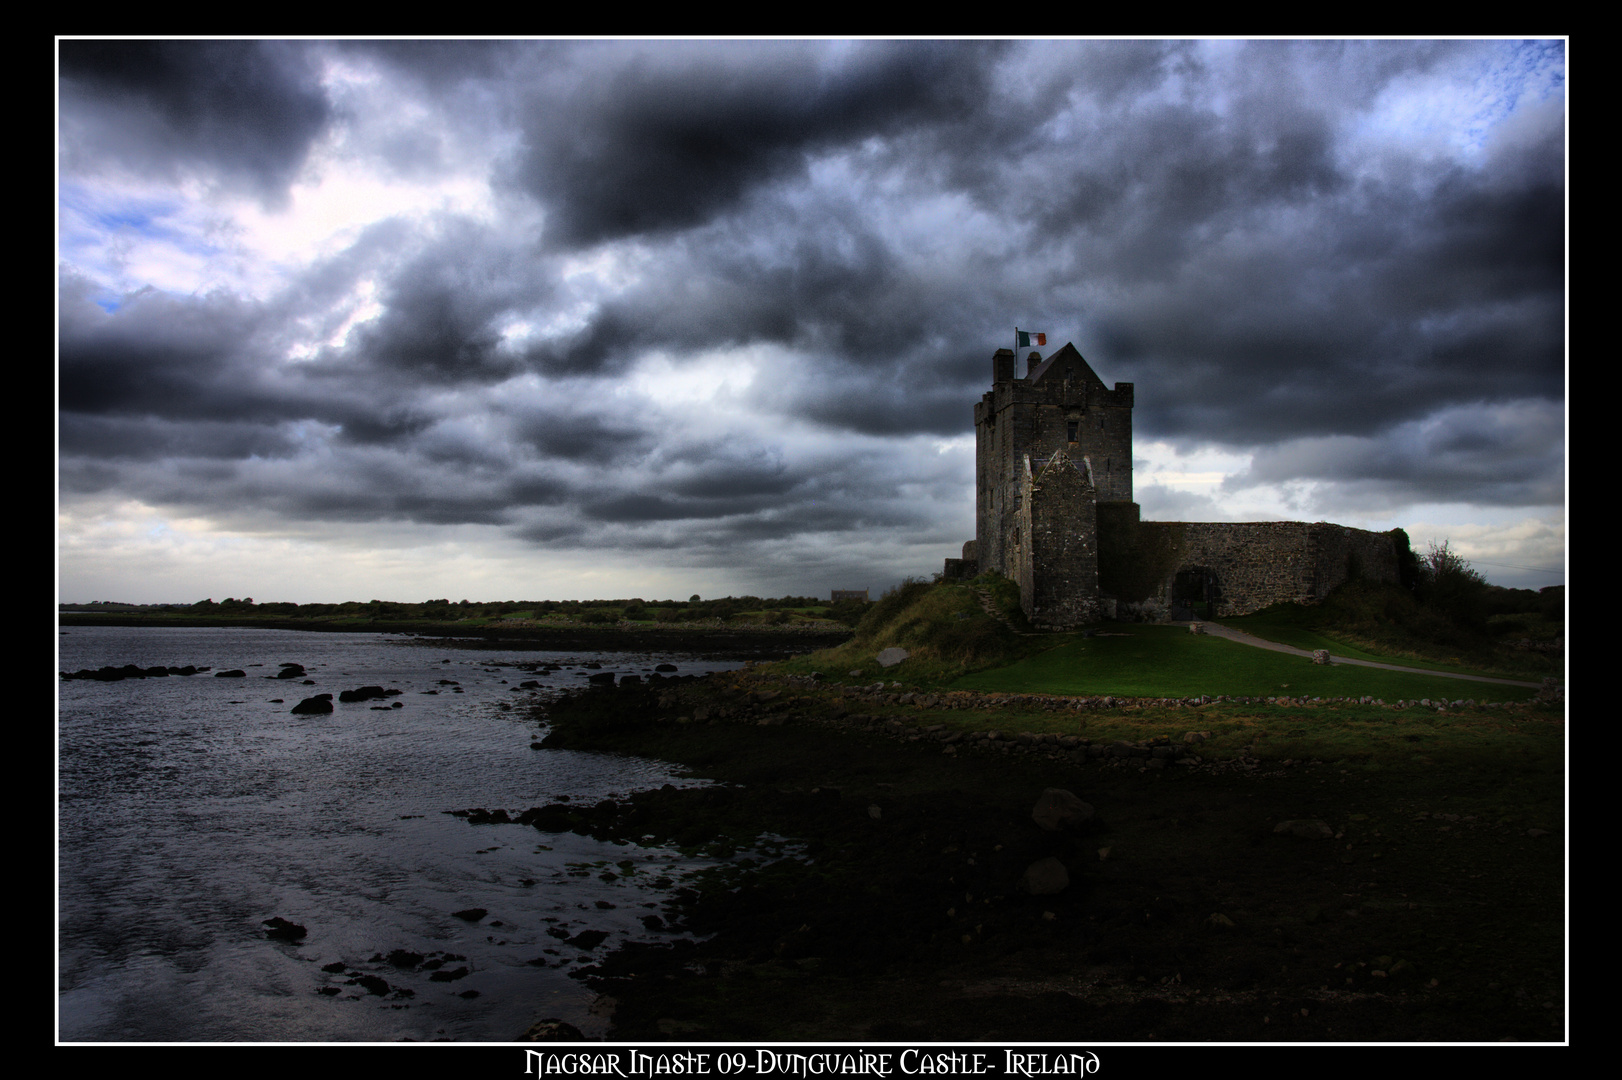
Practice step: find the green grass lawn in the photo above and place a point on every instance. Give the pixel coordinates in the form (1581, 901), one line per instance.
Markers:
(1165, 661)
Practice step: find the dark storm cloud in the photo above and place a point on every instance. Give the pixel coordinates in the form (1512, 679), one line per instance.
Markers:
(702, 483)
(1494, 456)
(443, 309)
(567, 434)
(634, 508)
(203, 361)
(157, 354)
(721, 478)
(672, 136)
(443, 65)
(1377, 309)
(246, 110)
(820, 281)
(147, 438)
(911, 396)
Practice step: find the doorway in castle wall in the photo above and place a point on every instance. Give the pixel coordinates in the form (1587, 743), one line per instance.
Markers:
(1195, 593)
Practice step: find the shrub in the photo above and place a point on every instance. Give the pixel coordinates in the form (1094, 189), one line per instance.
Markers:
(1450, 587)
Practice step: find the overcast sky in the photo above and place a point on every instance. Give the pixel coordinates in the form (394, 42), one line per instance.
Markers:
(524, 320)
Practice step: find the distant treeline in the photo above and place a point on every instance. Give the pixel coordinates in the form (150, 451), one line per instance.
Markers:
(753, 609)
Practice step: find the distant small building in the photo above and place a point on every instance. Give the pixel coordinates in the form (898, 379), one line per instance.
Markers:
(849, 594)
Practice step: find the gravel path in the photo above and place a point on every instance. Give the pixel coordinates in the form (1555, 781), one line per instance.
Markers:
(1218, 630)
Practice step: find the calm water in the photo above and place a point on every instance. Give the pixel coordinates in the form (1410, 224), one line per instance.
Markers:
(193, 808)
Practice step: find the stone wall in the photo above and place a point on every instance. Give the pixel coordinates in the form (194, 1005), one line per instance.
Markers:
(1063, 543)
(1235, 568)
(966, 568)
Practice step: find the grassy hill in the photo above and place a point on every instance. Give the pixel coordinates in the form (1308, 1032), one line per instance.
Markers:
(953, 641)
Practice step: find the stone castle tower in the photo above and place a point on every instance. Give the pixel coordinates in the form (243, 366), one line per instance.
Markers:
(1054, 512)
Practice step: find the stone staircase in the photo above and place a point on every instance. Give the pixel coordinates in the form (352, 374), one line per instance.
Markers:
(990, 607)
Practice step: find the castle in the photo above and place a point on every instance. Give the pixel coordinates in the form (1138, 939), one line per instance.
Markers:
(1054, 512)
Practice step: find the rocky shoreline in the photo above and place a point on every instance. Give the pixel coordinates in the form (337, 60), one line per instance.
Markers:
(887, 874)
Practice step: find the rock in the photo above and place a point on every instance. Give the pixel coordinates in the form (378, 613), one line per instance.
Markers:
(281, 929)
(587, 939)
(234, 673)
(365, 693)
(1306, 829)
(1058, 810)
(552, 1030)
(372, 984)
(449, 976)
(605, 678)
(291, 671)
(1320, 656)
(1045, 877)
(664, 667)
(321, 703)
(892, 656)
(1219, 921)
(472, 914)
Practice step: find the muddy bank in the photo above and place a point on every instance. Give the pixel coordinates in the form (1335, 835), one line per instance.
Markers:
(880, 887)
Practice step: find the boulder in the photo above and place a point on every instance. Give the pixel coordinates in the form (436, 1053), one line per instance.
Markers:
(1045, 877)
(321, 703)
(892, 656)
(553, 1030)
(1058, 810)
(1306, 829)
(281, 929)
(587, 939)
(365, 693)
(372, 984)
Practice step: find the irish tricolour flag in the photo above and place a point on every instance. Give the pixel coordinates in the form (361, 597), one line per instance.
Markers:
(1024, 339)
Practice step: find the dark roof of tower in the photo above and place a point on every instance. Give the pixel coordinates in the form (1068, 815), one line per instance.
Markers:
(1071, 356)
